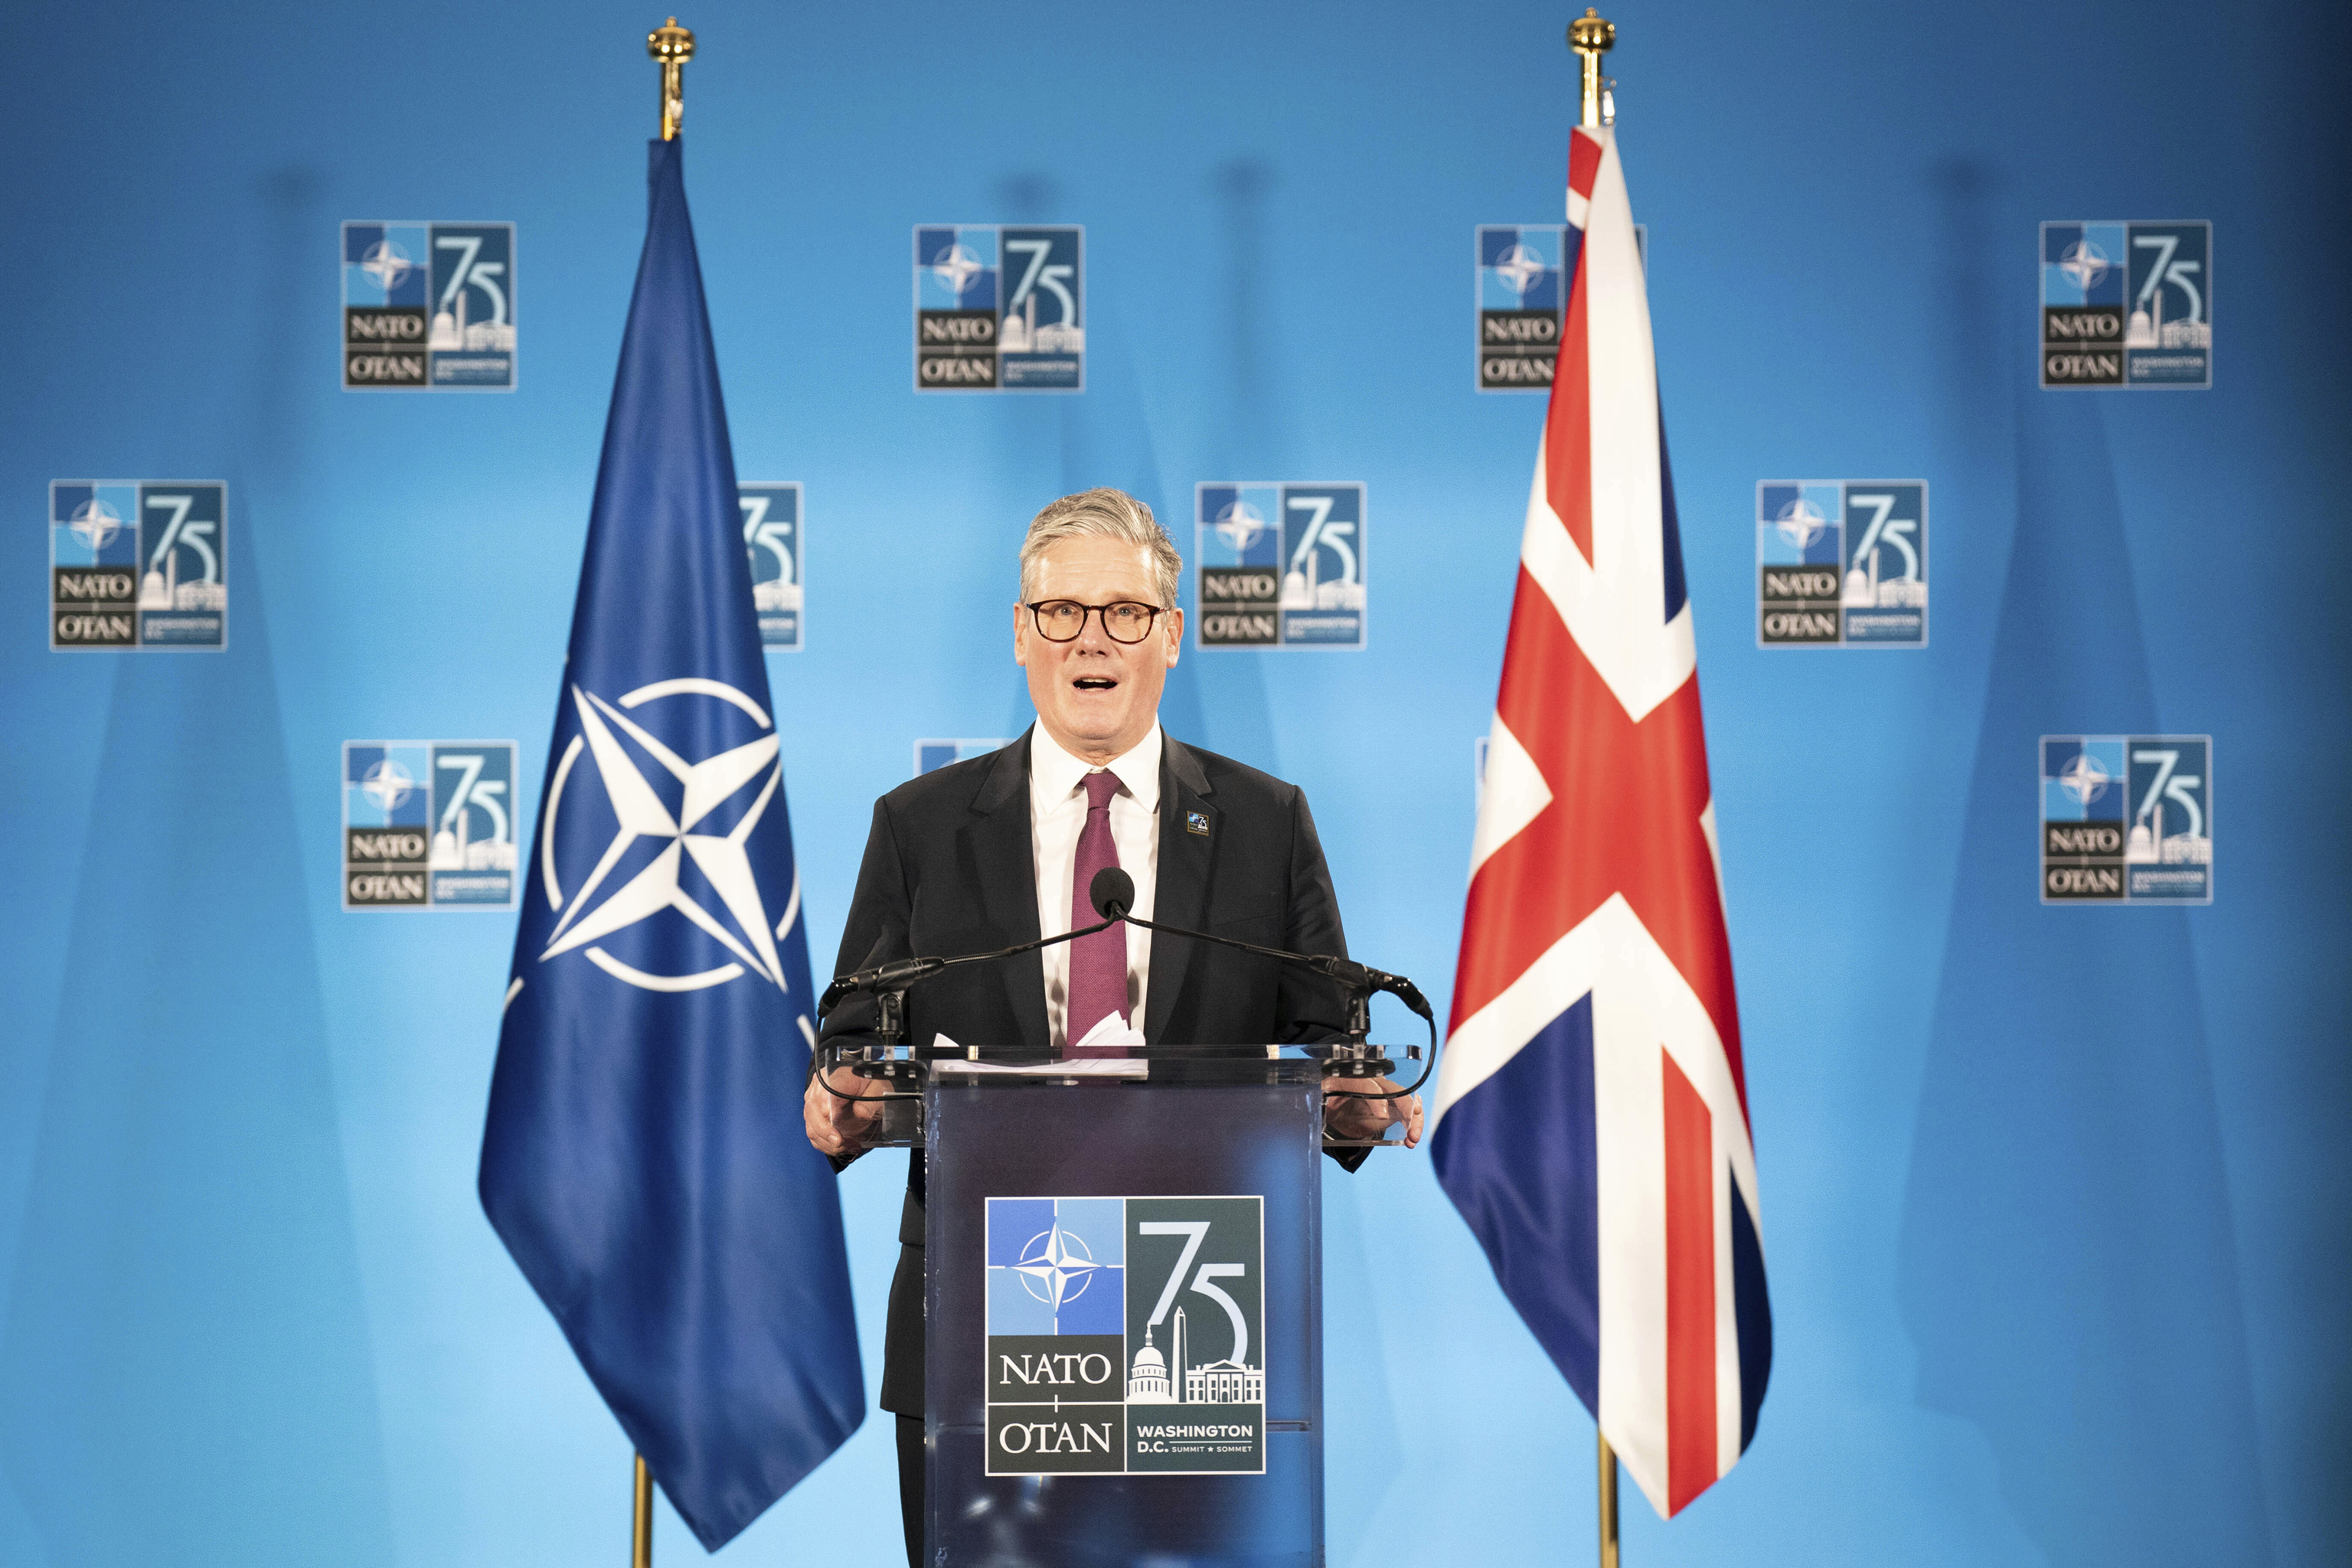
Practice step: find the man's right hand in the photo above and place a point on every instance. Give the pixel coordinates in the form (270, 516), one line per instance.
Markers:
(838, 1127)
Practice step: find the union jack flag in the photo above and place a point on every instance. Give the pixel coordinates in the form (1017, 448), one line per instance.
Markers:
(1590, 1121)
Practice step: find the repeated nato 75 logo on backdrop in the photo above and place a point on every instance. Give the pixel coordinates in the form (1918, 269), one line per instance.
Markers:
(1280, 565)
(429, 307)
(138, 563)
(1522, 297)
(2128, 819)
(428, 825)
(1126, 1335)
(1841, 563)
(773, 531)
(999, 308)
(1520, 285)
(2127, 304)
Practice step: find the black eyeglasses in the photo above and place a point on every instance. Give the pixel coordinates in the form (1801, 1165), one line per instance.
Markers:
(1061, 620)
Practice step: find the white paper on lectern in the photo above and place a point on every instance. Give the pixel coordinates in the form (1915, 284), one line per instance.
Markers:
(1112, 1032)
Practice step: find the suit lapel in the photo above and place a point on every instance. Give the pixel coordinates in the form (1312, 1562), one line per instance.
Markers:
(1007, 869)
(1187, 856)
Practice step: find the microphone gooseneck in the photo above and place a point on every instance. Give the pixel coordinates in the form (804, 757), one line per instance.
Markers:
(903, 972)
(1112, 894)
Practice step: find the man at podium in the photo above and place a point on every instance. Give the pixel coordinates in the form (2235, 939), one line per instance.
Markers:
(1003, 848)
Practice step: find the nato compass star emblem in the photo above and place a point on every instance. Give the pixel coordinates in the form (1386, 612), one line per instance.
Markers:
(95, 523)
(1055, 1266)
(1520, 269)
(388, 784)
(2084, 778)
(740, 920)
(387, 264)
(2084, 263)
(1239, 526)
(956, 267)
(1800, 523)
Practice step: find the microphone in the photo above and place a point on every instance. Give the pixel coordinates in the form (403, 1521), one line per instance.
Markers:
(892, 976)
(1112, 894)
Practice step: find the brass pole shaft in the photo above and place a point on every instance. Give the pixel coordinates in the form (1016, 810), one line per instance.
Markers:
(1608, 1503)
(1591, 37)
(641, 1528)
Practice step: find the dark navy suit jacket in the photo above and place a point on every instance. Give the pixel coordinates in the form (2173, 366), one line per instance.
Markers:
(949, 869)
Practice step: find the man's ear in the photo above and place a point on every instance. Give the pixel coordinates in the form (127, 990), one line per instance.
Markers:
(1020, 635)
(1175, 635)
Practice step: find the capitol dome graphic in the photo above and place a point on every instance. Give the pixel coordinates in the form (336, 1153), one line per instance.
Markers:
(1147, 1381)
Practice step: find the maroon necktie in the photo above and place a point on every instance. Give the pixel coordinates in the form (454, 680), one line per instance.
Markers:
(1097, 963)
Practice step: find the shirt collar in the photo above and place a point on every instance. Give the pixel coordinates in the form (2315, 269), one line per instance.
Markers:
(1053, 773)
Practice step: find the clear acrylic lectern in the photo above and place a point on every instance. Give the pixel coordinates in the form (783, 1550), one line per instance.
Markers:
(1124, 1311)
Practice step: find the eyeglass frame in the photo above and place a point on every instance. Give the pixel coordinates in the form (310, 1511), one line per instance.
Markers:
(1101, 613)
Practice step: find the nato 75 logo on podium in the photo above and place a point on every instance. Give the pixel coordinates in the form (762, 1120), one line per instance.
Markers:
(1126, 1336)
(2128, 819)
(1281, 565)
(999, 308)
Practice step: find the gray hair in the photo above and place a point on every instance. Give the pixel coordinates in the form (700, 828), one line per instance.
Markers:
(1103, 513)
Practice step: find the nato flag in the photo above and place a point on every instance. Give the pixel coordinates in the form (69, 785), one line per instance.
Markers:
(644, 1160)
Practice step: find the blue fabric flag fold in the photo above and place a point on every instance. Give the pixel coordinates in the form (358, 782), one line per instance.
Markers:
(643, 1159)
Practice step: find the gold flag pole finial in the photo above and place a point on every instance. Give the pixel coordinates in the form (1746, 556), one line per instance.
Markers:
(673, 45)
(1592, 37)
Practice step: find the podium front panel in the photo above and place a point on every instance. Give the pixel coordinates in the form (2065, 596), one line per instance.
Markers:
(1123, 1306)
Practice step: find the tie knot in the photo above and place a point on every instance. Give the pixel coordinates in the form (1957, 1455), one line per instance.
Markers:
(1100, 787)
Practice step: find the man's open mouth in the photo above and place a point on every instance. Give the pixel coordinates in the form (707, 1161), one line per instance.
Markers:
(1094, 683)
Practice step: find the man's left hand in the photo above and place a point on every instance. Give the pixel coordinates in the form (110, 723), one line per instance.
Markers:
(1346, 1117)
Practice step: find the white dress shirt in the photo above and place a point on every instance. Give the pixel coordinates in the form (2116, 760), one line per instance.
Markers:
(1057, 813)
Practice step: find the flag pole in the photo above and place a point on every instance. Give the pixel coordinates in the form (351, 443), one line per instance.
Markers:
(1608, 1502)
(672, 45)
(1590, 38)
(641, 1525)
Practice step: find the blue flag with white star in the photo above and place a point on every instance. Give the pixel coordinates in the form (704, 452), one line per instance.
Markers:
(644, 1160)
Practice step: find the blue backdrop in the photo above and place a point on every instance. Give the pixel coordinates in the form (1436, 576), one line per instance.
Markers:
(2053, 1197)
